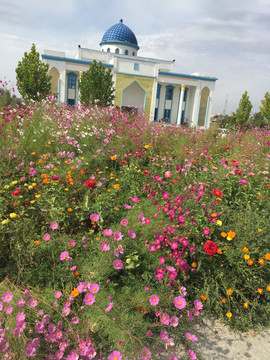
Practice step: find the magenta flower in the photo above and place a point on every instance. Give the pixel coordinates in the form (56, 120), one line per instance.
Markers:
(54, 225)
(154, 300)
(109, 307)
(64, 255)
(104, 247)
(73, 268)
(164, 335)
(132, 234)
(180, 302)
(145, 354)
(191, 337)
(47, 237)
(65, 311)
(89, 299)
(149, 333)
(243, 182)
(162, 260)
(7, 297)
(117, 235)
(20, 303)
(206, 231)
(127, 206)
(198, 305)
(118, 264)
(115, 355)
(135, 199)
(165, 195)
(20, 316)
(94, 288)
(147, 221)
(124, 222)
(72, 243)
(75, 320)
(94, 217)
(107, 232)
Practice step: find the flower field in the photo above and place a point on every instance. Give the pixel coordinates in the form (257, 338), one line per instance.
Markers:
(118, 235)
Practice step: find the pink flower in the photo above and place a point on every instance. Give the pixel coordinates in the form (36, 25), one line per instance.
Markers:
(107, 232)
(94, 217)
(75, 320)
(243, 182)
(206, 231)
(149, 333)
(109, 307)
(20, 303)
(191, 337)
(94, 288)
(54, 225)
(174, 321)
(115, 355)
(180, 302)
(164, 335)
(154, 300)
(65, 311)
(124, 222)
(73, 268)
(168, 174)
(47, 237)
(117, 235)
(135, 199)
(20, 316)
(64, 255)
(118, 264)
(89, 299)
(192, 355)
(8, 309)
(32, 303)
(165, 319)
(104, 247)
(162, 260)
(57, 294)
(165, 195)
(7, 297)
(145, 354)
(147, 221)
(198, 304)
(183, 291)
(132, 234)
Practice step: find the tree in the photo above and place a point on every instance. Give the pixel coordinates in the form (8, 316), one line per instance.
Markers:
(96, 84)
(265, 108)
(244, 110)
(32, 76)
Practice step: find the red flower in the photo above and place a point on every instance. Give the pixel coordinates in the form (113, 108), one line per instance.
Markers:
(16, 192)
(122, 162)
(217, 193)
(210, 247)
(226, 147)
(90, 184)
(55, 177)
(146, 172)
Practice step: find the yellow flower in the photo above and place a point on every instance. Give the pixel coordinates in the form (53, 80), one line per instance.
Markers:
(34, 184)
(219, 222)
(147, 146)
(128, 261)
(229, 291)
(6, 186)
(260, 291)
(13, 215)
(245, 305)
(113, 157)
(32, 201)
(259, 230)
(229, 314)
(30, 187)
(4, 222)
(246, 257)
(223, 300)
(116, 186)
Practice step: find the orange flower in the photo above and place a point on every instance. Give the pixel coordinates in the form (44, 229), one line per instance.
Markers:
(46, 181)
(267, 256)
(245, 305)
(75, 292)
(223, 234)
(223, 300)
(72, 167)
(260, 291)
(113, 157)
(40, 161)
(77, 273)
(116, 186)
(194, 264)
(250, 262)
(36, 242)
(69, 210)
(203, 297)
(245, 249)
(231, 234)
(219, 251)
(44, 176)
(268, 287)
(174, 181)
(229, 291)
(81, 172)
(261, 261)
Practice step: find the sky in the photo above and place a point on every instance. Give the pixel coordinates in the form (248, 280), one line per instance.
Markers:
(227, 38)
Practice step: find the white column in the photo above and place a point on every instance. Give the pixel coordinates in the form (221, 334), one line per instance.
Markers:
(178, 121)
(196, 107)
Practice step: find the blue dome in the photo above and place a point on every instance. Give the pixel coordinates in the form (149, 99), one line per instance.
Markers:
(120, 32)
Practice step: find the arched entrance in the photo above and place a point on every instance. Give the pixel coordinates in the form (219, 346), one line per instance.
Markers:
(133, 96)
(54, 73)
(203, 105)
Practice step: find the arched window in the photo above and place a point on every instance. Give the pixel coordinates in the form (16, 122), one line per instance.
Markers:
(117, 51)
(109, 50)
(133, 53)
(126, 52)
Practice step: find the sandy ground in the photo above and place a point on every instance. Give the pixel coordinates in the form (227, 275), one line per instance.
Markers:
(217, 342)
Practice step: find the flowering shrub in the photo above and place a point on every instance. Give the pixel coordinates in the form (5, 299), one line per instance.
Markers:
(117, 234)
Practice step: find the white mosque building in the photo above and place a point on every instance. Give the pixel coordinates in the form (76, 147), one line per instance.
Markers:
(151, 84)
